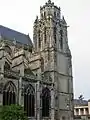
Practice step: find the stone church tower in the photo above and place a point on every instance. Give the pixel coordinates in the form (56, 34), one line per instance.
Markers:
(38, 75)
(51, 43)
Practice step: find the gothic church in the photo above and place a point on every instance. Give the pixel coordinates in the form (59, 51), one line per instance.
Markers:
(38, 75)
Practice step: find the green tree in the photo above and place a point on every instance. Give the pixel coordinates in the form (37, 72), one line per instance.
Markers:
(12, 112)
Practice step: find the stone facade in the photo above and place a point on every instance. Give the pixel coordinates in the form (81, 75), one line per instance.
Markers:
(47, 64)
(81, 109)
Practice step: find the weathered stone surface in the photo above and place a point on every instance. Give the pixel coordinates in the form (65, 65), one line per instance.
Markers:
(48, 65)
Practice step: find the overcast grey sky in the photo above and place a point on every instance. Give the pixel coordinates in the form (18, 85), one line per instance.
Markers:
(20, 15)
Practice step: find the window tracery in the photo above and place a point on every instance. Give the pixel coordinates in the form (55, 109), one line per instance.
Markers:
(45, 102)
(29, 101)
(9, 94)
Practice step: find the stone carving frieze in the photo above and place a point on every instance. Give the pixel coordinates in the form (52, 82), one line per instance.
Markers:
(11, 74)
(28, 76)
(24, 85)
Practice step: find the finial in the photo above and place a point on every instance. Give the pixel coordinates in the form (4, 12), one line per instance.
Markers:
(36, 20)
(63, 17)
(3, 44)
(14, 42)
(37, 17)
(28, 35)
(63, 20)
(49, 1)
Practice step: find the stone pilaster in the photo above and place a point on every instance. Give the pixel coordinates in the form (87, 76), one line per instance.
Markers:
(20, 90)
(38, 101)
(52, 103)
(20, 85)
(2, 67)
(84, 111)
(79, 112)
(35, 106)
(2, 63)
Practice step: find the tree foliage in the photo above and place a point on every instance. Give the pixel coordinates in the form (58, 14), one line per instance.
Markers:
(12, 112)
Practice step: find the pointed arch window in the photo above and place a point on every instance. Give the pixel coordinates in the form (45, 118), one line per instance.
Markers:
(45, 102)
(61, 43)
(55, 14)
(41, 15)
(55, 34)
(29, 101)
(44, 14)
(39, 40)
(42, 64)
(9, 94)
(45, 35)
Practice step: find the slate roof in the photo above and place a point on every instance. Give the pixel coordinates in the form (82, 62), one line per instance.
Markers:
(78, 102)
(10, 34)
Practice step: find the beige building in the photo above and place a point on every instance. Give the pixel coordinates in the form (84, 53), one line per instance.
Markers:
(82, 109)
(38, 75)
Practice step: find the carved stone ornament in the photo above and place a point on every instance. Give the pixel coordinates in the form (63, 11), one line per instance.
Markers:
(46, 77)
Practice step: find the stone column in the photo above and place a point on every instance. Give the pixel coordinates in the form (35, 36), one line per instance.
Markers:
(20, 85)
(79, 112)
(20, 90)
(84, 111)
(52, 103)
(38, 101)
(2, 67)
(75, 112)
(35, 106)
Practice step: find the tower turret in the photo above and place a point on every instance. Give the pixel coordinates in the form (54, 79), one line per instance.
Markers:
(50, 30)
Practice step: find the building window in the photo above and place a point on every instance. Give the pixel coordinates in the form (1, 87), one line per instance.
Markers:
(87, 111)
(42, 64)
(6, 66)
(58, 14)
(45, 102)
(55, 34)
(9, 95)
(39, 40)
(61, 41)
(44, 14)
(63, 117)
(29, 101)
(77, 111)
(66, 33)
(82, 111)
(45, 37)
(55, 14)
(41, 15)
